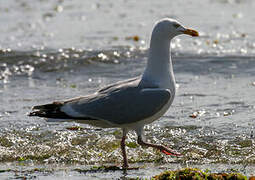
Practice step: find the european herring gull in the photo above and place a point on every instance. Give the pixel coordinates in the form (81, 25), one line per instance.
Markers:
(133, 103)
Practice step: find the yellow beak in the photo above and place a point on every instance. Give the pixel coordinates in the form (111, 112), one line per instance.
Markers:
(191, 32)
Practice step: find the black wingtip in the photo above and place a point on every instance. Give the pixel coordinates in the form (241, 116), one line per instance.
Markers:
(49, 111)
(46, 110)
(51, 106)
(36, 113)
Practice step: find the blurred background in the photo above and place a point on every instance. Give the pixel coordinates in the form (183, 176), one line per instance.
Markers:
(52, 50)
(27, 25)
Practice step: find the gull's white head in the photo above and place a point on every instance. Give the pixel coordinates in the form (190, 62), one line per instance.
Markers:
(170, 28)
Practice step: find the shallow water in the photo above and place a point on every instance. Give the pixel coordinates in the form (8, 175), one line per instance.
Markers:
(211, 120)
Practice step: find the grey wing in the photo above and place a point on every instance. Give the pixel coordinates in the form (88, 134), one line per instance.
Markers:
(122, 106)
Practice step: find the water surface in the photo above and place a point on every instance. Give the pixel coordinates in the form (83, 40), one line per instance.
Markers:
(59, 50)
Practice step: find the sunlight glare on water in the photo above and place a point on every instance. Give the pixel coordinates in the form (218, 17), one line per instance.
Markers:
(53, 51)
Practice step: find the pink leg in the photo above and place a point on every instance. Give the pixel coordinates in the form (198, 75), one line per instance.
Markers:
(123, 149)
(163, 149)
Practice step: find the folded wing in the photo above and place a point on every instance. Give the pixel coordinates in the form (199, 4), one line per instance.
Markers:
(120, 103)
(122, 106)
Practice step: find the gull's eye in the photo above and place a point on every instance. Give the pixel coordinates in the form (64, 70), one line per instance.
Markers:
(176, 25)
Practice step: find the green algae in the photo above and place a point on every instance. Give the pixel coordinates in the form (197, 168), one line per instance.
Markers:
(245, 143)
(95, 169)
(131, 144)
(76, 144)
(117, 133)
(73, 85)
(28, 171)
(197, 174)
(38, 158)
(5, 142)
(181, 174)
(5, 170)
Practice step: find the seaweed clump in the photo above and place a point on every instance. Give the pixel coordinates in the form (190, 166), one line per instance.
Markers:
(197, 174)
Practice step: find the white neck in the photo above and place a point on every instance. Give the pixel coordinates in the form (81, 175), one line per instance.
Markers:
(159, 68)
